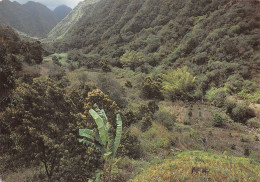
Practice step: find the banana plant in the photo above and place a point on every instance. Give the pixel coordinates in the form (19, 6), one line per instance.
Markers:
(102, 138)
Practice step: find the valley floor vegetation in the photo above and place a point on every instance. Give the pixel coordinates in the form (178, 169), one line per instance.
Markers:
(152, 98)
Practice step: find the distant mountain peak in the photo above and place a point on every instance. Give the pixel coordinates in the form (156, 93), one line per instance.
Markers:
(62, 11)
(32, 18)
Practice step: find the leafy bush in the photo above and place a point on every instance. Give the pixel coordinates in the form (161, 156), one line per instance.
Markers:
(165, 118)
(112, 88)
(153, 106)
(254, 122)
(111, 108)
(151, 89)
(155, 139)
(230, 105)
(217, 96)
(251, 92)
(146, 122)
(130, 118)
(132, 59)
(128, 84)
(130, 145)
(233, 146)
(178, 84)
(217, 120)
(246, 151)
(241, 113)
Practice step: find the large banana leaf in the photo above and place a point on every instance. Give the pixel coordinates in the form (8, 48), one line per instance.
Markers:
(110, 146)
(86, 133)
(103, 115)
(118, 133)
(88, 143)
(101, 126)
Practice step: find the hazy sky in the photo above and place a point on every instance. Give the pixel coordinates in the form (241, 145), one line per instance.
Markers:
(53, 3)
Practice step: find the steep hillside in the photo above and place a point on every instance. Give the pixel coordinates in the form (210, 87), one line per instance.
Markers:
(69, 23)
(31, 18)
(217, 40)
(62, 11)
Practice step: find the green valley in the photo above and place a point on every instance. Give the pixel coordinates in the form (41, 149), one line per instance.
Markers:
(134, 90)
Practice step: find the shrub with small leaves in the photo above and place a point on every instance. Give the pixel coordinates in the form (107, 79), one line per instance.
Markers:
(217, 120)
(146, 122)
(233, 146)
(165, 118)
(151, 89)
(178, 84)
(243, 139)
(128, 84)
(246, 151)
(241, 113)
(217, 96)
(210, 133)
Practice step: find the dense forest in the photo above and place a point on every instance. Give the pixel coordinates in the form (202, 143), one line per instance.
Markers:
(134, 90)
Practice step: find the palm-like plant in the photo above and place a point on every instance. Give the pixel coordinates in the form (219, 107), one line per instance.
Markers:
(103, 138)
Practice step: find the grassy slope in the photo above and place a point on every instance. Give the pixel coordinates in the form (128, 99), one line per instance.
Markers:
(67, 24)
(219, 167)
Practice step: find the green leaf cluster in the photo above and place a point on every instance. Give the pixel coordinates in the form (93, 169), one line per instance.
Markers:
(102, 137)
(178, 84)
(132, 59)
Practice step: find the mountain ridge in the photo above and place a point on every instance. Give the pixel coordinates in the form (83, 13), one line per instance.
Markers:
(69, 21)
(32, 18)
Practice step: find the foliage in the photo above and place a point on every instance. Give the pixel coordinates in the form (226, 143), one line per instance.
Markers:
(225, 53)
(144, 115)
(7, 71)
(155, 139)
(250, 92)
(132, 59)
(111, 108)
(153, 106)
(217, 120)
(130, 118)
(233, 147)
(56, 60)
(146, 122)
(253, 122)
(166, 119)
(217, 96)
(13, 53)
(240, 112)
(112, 88)
(40, 127)
(217, 168)
(103, 139)
(130, 145)
(178, 84)
(151, 88)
